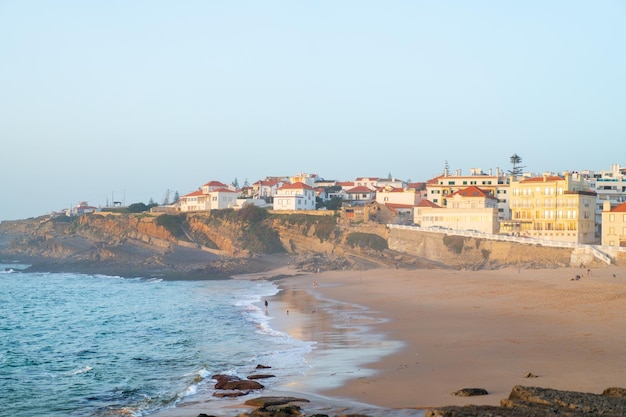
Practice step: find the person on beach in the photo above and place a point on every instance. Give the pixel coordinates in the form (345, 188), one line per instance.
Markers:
(266, 306)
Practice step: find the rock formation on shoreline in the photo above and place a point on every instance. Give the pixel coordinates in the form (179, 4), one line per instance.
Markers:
(522, 402)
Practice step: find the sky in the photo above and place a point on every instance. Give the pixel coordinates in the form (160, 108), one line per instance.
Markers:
(125, 100)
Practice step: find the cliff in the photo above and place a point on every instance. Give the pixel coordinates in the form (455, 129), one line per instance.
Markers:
(227, 242)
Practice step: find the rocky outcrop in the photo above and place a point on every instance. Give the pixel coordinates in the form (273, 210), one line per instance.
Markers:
(470, 392)
(230, 382)
(544, 402)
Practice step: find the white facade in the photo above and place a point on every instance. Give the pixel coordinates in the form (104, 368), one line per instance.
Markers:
(211, 196)
(266, 189)
(296, 196)
(408, 197)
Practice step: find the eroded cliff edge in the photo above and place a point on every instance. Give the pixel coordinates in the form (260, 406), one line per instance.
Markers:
(227, 242)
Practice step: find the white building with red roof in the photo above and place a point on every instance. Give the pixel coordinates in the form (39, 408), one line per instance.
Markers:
(213, 195)
(369, 182)
(266, 189)
(360, 194)
(297, 196)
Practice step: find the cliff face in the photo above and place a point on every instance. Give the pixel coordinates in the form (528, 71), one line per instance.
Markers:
(145, 241)
(476, 253)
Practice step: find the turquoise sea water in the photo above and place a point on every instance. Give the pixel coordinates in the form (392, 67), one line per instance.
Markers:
(94, 345)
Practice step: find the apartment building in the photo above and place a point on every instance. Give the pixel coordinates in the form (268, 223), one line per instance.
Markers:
(552, 207)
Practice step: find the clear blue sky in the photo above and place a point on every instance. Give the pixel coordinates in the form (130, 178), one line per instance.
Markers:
(131, 98)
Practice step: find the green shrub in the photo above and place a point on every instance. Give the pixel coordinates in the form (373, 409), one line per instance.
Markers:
(261, 238)
(252, 214)
(172, 223)
(454, 243)
(325, 227)
(367, 240)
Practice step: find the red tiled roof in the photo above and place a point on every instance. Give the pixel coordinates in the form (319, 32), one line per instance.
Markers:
(195, 193)
(428, 203)
(359, 189)
(434, 180)
(619, 209)
(224, 190)
(296, 186)
(345, 183)
(397, 206)
(215, 184)
(417, 185)
(268, 183)
(473, 191)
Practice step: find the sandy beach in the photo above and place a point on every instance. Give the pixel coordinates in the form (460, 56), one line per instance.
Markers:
(403, 339)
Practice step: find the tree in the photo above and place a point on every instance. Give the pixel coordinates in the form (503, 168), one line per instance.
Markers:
(176, 197)
(334, 203)
(138, 208)
(517, 169)
(235, 183)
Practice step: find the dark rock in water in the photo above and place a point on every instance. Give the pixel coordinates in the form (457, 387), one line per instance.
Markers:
(230, 394)
(259, 366)
(261, 376)
(530, 375)
(470, 392)
(230, 382)
(271, 401)
(204, 415)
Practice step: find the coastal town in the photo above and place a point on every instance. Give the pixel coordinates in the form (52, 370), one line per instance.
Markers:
(580, 207)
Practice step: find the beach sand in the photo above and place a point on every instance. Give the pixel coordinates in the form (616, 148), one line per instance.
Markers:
(398, 338)
(485, 329)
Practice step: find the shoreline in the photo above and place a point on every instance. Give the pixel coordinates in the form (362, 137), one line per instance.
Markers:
(486, 329)
(445, 330)
(435, 331)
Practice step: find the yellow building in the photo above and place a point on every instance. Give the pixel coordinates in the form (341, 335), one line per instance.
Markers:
(614, 225)
(470, 209)
(552, 207)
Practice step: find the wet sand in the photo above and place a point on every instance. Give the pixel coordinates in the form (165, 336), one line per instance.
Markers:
(406, 339)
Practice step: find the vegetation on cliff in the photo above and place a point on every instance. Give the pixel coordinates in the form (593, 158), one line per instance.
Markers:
(366, 240)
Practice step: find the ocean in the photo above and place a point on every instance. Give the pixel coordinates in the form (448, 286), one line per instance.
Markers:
(96, 345)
